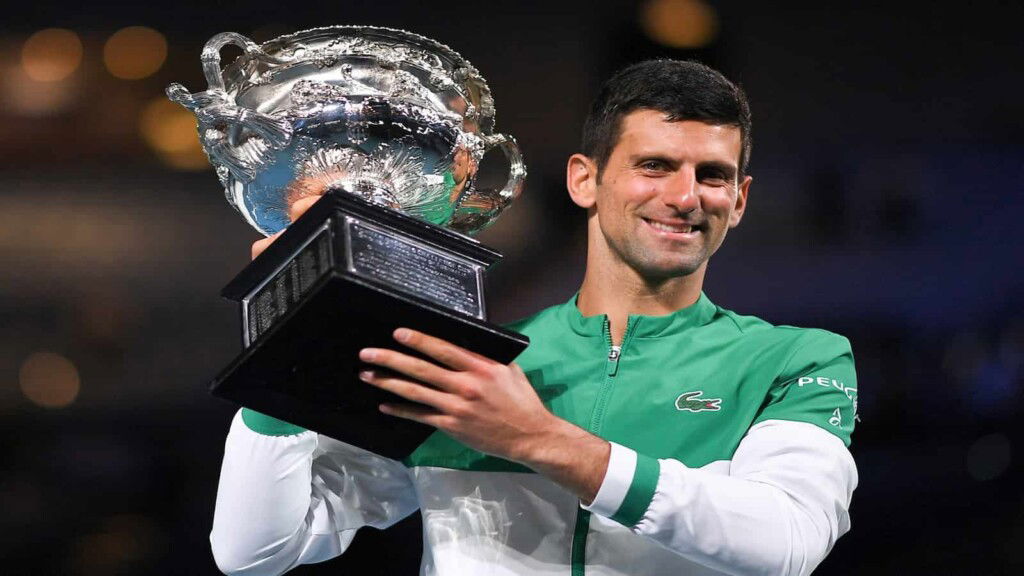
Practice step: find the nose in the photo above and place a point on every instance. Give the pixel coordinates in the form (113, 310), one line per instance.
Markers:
(682, 192)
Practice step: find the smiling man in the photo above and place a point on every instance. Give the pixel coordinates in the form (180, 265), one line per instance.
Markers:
(645, 431)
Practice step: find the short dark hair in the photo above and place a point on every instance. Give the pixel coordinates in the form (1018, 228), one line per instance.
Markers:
(682, 89)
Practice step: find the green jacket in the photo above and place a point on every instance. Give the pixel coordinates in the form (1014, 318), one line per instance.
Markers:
(729, 455)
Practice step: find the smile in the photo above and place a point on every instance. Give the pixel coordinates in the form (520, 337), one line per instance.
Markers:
(670, 228)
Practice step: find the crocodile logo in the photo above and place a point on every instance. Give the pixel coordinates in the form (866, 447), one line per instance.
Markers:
(692, 402)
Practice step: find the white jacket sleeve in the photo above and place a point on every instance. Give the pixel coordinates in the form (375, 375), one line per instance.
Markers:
(780, 509)
(298, 499)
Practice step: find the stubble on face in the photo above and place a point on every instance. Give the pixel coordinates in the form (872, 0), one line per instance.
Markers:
(666, 195)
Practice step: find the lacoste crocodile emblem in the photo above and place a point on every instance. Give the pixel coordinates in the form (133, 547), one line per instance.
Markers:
(692, 402)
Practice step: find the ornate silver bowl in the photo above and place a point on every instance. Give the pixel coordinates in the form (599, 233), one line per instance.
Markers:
(393, 117)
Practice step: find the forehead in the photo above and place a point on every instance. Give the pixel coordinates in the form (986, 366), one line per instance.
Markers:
(647, 132)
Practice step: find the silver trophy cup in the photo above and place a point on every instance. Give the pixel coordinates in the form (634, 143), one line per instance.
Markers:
(393, 117)
(388, 129)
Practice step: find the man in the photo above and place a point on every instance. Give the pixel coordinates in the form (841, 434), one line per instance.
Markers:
(644, 431)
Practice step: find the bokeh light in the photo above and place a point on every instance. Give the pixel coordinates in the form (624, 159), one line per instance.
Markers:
(22, 95)
(170, 131)
(134, 52)
(49, 380)
(51, 55)
(683, 24)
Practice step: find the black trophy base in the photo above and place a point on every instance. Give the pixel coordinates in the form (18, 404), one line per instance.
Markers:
(307, 316)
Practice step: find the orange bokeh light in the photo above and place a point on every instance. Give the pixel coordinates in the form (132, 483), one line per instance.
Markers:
(683, 24)
(134, 52)
(170, 131)
(49, 380)
(51, 55)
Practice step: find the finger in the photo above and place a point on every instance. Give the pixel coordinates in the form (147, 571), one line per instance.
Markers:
(412, 391)
(414, 368)
(299, 207)
(445, 352)
(415, 413)
(260, 245)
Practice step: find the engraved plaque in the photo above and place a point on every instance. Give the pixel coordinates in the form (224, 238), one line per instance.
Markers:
(283, 291)
(341, 278)
(415, 268)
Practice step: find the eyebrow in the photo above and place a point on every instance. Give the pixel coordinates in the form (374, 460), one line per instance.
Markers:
(727, 169)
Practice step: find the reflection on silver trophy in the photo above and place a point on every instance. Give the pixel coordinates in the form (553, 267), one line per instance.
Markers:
(389, 130)
(390, 116)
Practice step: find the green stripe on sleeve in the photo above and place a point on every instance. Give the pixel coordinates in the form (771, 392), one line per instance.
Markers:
(267, 425)
(641, 491)
(578, 555)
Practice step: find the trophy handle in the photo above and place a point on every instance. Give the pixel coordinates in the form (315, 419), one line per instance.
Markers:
(211, 56)
(223, 124)
(516, 167)
(478, 209)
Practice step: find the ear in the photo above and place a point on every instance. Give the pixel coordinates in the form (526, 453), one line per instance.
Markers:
(581, 180)
(741, 202)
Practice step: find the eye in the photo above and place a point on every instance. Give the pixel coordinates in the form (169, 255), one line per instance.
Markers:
(713, 177)
(653, 166)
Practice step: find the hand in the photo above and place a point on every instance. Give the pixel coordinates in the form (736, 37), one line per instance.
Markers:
(296, 209)
(484, 404)
(488, 406)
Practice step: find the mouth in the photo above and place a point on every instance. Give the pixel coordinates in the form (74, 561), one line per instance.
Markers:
(683, 229)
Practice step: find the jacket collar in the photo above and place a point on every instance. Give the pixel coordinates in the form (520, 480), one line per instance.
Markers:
(697, 314)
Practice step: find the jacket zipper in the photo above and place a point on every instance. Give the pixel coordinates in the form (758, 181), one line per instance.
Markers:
(611, 370)
(613, 360)
(582, 528)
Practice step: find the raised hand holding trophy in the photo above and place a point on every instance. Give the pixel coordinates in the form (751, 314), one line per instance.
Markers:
(388, 128)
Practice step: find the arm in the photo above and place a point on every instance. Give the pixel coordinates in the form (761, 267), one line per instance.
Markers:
(297, 498)
(780, 509)
(288, 496)
(786, 498)
(488, 406)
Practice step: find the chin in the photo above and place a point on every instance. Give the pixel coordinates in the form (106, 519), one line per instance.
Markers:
(674, 265)
(667, 271)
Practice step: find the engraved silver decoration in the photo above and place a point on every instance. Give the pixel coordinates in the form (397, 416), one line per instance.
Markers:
(393, 117)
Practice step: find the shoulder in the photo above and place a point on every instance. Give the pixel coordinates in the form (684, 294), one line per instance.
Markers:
(814, 346)
(808, 373)
(781, 354)
(790, 339)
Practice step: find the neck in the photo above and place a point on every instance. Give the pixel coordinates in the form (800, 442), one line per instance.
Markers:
(611, 287)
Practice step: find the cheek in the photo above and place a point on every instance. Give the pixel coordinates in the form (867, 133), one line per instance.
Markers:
(618, 198)
(718, 202)
(734, 219)
(636, 193)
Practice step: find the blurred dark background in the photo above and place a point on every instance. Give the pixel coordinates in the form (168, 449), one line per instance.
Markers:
(888, 192)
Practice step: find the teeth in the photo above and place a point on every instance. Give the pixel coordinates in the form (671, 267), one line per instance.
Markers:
(685, 229)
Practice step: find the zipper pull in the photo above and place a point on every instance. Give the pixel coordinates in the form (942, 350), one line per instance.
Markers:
(613, 359)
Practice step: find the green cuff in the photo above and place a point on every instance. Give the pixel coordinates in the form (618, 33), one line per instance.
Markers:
(267, 425)
(641, 491)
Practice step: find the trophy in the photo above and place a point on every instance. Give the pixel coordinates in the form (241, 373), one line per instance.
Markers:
(388, 130)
